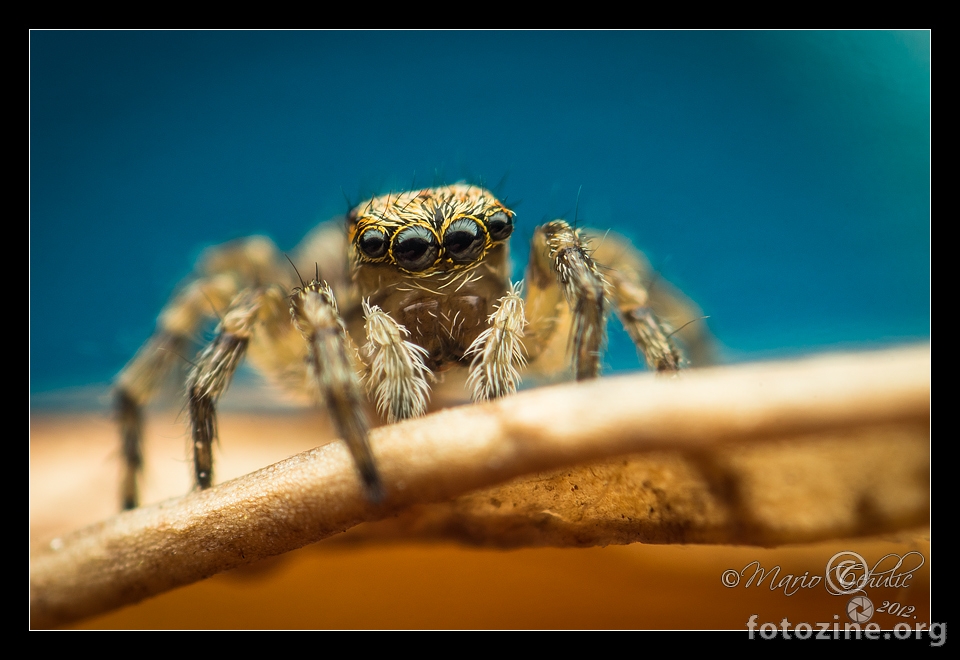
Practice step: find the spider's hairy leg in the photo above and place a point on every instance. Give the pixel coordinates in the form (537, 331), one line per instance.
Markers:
(143, 377)
(212, 373)
(651, 336)
(222, 272)
(498, 351)
(561, 268)
(396, 373)
(314, 312)
(648, 312)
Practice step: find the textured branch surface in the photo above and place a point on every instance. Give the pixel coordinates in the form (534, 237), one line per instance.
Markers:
(849, 455)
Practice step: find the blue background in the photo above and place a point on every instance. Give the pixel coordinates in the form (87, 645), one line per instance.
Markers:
(781, 179)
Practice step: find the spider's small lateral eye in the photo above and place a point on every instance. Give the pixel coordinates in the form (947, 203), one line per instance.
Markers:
(373, 243)
(463, 240)
(500, 225)
(415, 248)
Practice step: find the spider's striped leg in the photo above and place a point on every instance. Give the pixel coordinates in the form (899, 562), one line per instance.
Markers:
(561, 268)
(651, 336)
(499, 351)
(648, 312)
(396, 373)
(222, 273)
(148, 371)
(211, 375)
(330, 350)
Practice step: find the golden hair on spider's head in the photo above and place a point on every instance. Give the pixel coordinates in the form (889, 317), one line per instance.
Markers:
(422, 231)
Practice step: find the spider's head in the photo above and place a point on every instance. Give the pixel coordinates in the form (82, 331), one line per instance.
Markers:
(422, 232)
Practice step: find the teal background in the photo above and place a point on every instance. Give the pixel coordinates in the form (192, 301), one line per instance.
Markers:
(782, 179)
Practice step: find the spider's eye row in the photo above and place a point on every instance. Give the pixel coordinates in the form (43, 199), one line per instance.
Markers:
(415, 248)
(463, 240)
(500, 226)
(373, 243)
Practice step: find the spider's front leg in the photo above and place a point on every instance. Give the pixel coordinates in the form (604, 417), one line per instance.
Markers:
(313, 309)
(561, 269)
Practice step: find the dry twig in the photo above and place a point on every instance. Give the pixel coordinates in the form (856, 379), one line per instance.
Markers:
(879, 399)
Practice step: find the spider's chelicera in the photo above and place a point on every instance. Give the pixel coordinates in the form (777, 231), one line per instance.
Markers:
(417, 284)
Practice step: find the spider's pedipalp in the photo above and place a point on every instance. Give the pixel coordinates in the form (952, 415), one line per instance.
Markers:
(315, 314)
(498, 351)
(396, 373)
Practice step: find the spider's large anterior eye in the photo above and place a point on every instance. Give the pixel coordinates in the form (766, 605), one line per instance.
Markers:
(373, 243)
(500, 226)
(463, 240)
(415, 248)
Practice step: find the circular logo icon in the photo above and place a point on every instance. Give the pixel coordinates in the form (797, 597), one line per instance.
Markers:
(847, 573)
(860, 609)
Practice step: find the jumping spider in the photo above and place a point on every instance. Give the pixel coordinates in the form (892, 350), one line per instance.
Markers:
(418, 284)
